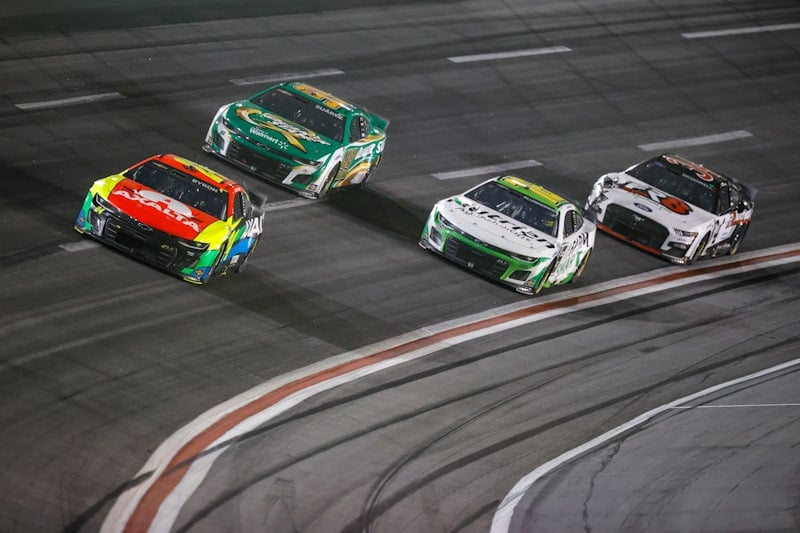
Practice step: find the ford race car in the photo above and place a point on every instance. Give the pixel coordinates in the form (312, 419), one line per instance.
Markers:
(301, 137)
(176, 215)
(512, 231)
(674, 208)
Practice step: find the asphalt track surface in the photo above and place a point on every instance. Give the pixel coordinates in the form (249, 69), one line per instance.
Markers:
(103, 359)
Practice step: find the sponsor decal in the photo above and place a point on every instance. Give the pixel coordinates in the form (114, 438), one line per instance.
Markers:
(254, 227)
(699, 170)
(327, 98)
(676, 205)
(264, 135)
(504, 223)
(292, 133)
(170, 207)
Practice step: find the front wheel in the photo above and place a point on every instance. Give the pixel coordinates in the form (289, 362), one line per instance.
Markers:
(543, 279)
(699, 251)
(326, 185)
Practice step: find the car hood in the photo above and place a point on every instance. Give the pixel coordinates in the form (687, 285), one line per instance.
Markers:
(276, 132)
(496, 229)
(655, 204)
(158, 211)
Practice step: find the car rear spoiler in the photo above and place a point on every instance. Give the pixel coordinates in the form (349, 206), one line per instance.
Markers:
(751, 191)
(378, 121)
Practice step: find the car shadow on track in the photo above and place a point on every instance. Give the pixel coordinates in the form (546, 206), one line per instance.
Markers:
(377, 209)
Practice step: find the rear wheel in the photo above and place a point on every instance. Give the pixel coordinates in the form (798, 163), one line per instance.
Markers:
(582, 266)
(737, 238)
(370, 173)
(238, 269)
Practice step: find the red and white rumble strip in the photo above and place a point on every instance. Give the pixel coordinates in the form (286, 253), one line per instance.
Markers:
(177, 468)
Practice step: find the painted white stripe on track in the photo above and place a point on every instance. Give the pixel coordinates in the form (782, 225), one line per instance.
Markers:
(78, 246)
(744, 405)
(344, 368)
(75, 100)
(739, 31)
(505, 511)
(288, 204)
(697, 141)
(491, 169)
(510, 55)
(286, 76)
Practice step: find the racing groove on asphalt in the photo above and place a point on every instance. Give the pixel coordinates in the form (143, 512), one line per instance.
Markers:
(104, 358)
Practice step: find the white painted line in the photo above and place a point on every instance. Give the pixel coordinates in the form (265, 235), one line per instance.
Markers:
(739, 31)
(286, 76)
(491, 169)
(288, 204)
(511, 54)
(78, 246)
(195, 444)
(745, 405)
(502, 518)
(697, 141)
(75, 100)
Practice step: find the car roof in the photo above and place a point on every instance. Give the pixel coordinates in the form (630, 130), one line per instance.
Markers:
(319, 96)
(198, 171)
(698, 170)
(537, 192)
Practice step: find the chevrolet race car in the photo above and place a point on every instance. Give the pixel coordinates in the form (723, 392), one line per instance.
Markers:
(303, 138)
(674, 208)
(512, 231)
(176, 215)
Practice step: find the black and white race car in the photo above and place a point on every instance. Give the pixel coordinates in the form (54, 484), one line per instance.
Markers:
(674, 208)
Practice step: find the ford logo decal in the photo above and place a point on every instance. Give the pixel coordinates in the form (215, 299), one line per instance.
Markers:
(643, 207)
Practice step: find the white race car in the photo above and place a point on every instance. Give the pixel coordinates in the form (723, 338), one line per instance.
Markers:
(512, 231)
(673, 208)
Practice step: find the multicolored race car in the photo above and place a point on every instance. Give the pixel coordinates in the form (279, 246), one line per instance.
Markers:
(176, 215)
(301, 137)
(512, 231)
(674, 208)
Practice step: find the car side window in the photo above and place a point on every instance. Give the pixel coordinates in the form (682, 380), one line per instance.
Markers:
(578, 220)
(238, 206)
(569, 223)
(358, 128)
(724, 200)
(736, 197)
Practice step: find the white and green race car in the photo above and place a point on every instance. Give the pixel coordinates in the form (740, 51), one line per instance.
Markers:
(512, 231)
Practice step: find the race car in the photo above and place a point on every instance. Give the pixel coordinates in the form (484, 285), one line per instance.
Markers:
(674, 208)
(176, 215)
(512, 231)
(300, 137)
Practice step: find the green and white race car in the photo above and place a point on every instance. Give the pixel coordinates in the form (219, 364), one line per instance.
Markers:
(301, 137)
(512, 231)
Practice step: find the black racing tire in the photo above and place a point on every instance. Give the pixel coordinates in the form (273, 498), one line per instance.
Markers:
(370, 173)
(737, 238)
(543, 280)
(582, 266)
(326, 186)
(238, 269)
(699, 251)
(214, 270)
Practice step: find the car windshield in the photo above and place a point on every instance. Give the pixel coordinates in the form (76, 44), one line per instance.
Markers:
(304, 112)
(521, 208)
(191, 191)
(677, 180)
